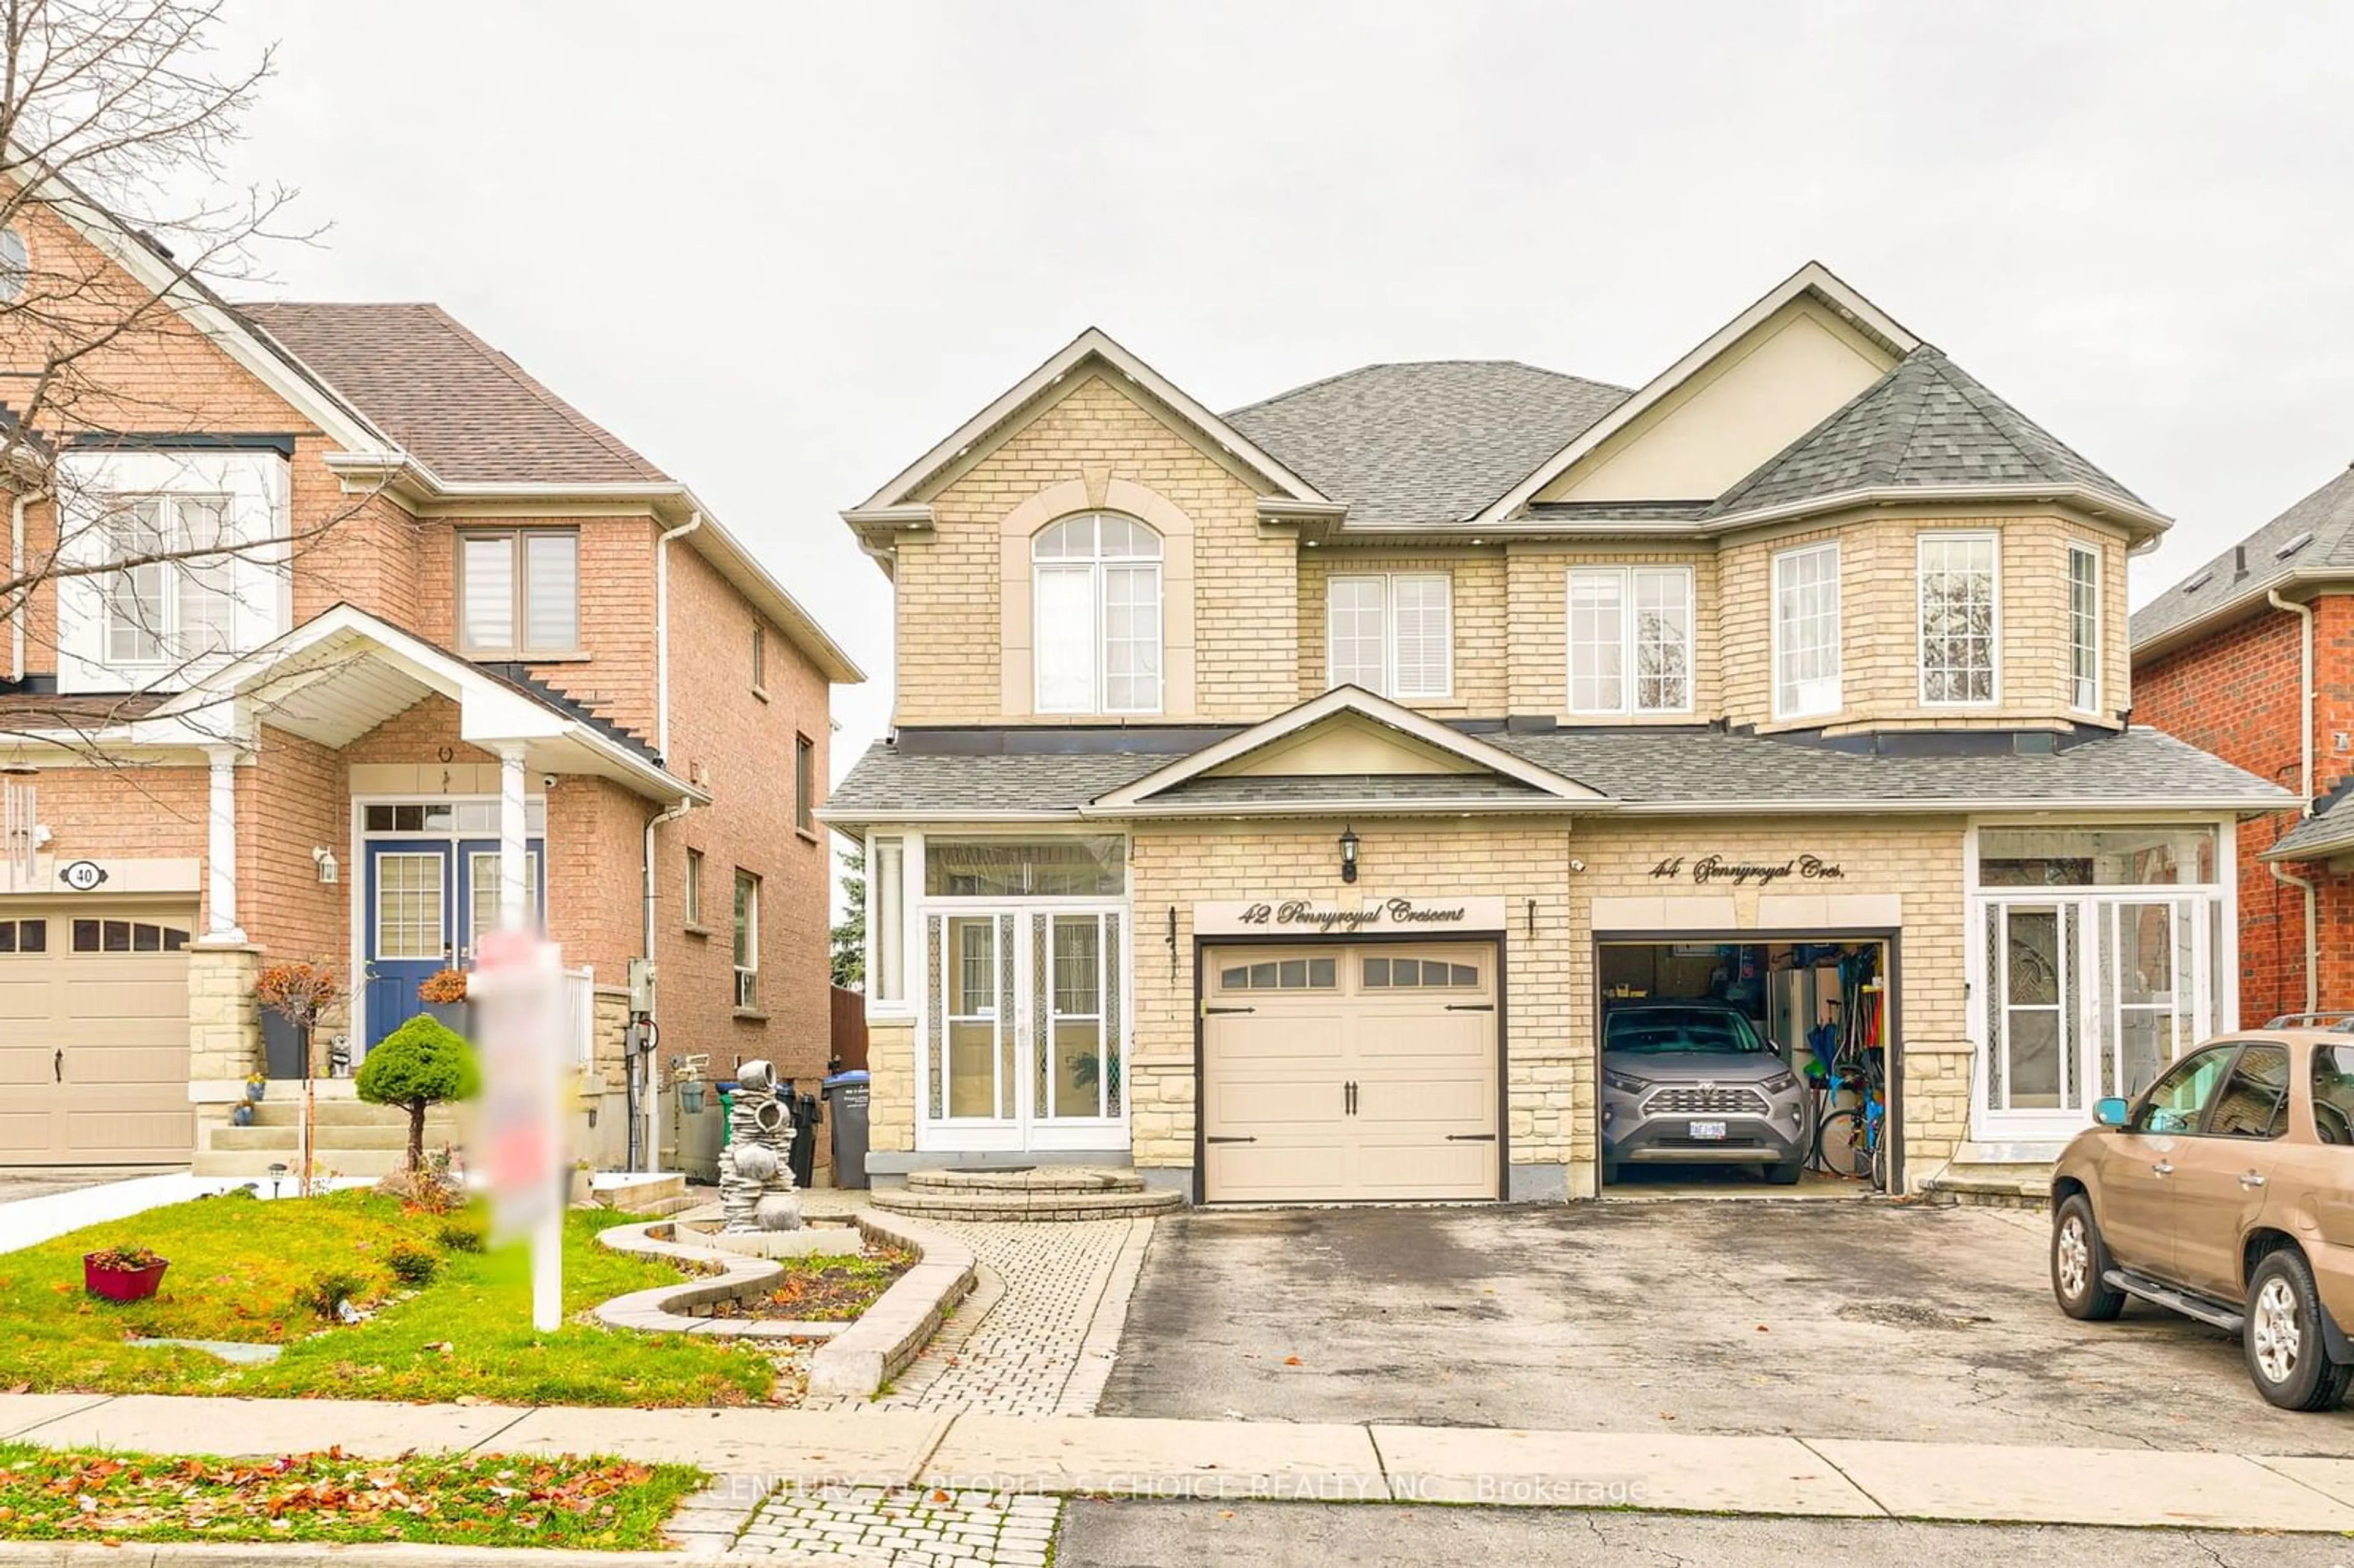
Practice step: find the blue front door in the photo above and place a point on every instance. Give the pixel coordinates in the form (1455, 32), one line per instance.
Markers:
(411, 918)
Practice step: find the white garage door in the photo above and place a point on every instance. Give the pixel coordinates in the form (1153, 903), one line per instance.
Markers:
(94, 1035)
(1335, 1072)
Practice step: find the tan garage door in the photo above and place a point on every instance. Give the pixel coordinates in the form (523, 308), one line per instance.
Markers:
(94, 1035)
(1340, 1072)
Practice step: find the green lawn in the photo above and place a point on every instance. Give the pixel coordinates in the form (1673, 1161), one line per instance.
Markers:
(473, 1500)
(239, 1268)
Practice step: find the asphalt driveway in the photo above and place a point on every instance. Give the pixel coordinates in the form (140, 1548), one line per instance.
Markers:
(1806, 1318)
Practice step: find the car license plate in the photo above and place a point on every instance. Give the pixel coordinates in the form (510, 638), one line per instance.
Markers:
(1708, 1130)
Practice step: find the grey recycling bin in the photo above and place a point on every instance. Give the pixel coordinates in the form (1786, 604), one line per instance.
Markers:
(847, 1094)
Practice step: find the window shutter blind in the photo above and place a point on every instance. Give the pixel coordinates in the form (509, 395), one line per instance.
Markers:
(1419, 606)
(489, 567)
(1064, 616)
(551, 578)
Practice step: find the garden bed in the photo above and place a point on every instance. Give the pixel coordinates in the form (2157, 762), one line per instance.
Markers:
(825, 1289)
(606, 1505)
(445, 1321)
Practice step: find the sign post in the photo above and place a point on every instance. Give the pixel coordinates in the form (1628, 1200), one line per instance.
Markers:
(517, 979)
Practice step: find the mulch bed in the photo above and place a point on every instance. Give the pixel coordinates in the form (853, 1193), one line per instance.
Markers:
(825, 1289)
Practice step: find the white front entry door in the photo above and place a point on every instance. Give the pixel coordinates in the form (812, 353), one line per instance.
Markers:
(1025, 1030)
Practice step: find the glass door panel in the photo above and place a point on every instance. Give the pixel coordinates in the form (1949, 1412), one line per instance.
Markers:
(1073, 1075)
(2146, 959)
(2032, 1010)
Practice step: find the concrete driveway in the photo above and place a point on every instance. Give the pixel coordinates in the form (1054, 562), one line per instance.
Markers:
(1810, 1319)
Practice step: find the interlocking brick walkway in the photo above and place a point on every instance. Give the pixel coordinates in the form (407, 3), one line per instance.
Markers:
(1038, 1338)
(907, 1527)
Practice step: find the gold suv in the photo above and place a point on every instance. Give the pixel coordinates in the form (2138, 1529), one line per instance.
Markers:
(2226, 1192)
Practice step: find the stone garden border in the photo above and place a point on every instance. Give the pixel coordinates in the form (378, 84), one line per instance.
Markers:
(855, 1358)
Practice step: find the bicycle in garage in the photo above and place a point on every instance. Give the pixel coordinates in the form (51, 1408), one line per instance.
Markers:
(1852, 1141)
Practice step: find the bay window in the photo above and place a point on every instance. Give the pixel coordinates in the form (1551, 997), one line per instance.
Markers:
(1631, 632)
(1806, 631)
(2085, 628)
(165, 610)
(1955, 583)
(519, 592)
(1391, 634)
(1095, 616)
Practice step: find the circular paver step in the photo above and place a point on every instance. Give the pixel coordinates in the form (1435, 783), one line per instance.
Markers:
(1026, 1179)
(1016, 1204)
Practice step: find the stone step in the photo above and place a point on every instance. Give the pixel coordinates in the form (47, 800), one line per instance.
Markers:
(287, 1112)
(1033, 1178)
(1025, 1206)
(636, 1193)
(329, 1136)
(255, 1162)
(2001, 1186)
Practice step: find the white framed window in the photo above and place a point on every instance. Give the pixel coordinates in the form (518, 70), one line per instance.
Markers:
(1392, 633)
(1960, 618)
(693, 887)
(887, 965)
(1630, 630)
(1807, 630)
(1094, 605)
(2085, 628)
(747, 941)
(519, 591)
(162, 611)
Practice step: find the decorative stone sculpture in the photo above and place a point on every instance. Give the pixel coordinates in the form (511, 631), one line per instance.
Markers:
(756, 1178)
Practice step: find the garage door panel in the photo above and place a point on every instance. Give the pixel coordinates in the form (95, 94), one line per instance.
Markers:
(1248, 1173)
(1423, 1061)
(1454, 1104)
(1464, 1037)
(1290, 1039)
(125, 1133)
(121, 1021)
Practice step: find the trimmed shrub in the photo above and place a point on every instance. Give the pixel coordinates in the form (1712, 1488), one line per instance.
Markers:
(422, 1064)
(412, 1263)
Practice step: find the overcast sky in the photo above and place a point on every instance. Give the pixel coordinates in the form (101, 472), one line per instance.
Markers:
(782, 249)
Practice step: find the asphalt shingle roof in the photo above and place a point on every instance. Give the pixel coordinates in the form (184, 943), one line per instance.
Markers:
(2327, 515)
(468, 411)
(1926, 422)
(1405, 787)
(1429, 444)
(2322, 835)
(1702, 769)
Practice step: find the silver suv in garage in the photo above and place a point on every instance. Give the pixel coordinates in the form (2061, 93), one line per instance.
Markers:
(1694, 1083)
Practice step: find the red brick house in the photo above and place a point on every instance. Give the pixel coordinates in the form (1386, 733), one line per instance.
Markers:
(472, 656)
(2252, 657)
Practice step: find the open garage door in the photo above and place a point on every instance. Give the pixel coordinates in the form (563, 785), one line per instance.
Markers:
(1761, 1066)
(94, 1036)
(1340, 1072)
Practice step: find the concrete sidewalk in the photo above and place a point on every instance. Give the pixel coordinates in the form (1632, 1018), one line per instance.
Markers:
(1222, 1459)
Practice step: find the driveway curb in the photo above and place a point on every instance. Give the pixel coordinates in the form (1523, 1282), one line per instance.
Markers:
(299, 1554)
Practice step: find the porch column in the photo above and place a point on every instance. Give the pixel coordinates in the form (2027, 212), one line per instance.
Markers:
(220, 850)
(514, 865)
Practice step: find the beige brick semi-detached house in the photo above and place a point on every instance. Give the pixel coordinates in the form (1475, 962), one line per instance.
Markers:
(2251, 655)
(476, 660)
(1286, 801)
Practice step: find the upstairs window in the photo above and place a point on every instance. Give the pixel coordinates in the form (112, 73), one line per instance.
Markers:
(759, 660)
(1392, 634)
(805, 784)
(1956, 581)
(2085, 628)
(1095, 616)
(1806, 631)
(1630, 640)
(169, 605)
(747, 941)
(519, 593)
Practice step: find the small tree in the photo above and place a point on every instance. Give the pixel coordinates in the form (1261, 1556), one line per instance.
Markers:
(849, 938)
(298, 992)
(422, 1064)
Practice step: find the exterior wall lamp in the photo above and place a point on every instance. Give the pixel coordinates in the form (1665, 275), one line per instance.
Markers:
(1348, 854)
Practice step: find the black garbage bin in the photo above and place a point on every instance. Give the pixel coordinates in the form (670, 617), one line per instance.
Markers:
(846, 1094)
(802, 1152)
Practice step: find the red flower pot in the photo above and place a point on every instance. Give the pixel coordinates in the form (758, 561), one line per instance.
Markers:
(121, 1284)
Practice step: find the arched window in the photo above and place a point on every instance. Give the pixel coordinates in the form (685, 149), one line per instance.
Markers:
(1094, 606)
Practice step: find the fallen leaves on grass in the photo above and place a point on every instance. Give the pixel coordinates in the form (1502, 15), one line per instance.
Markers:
(485, 1501)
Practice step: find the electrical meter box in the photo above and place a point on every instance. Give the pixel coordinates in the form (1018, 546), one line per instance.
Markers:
(641, 985)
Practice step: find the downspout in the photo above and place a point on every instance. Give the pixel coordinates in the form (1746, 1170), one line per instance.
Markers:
(661, 646)
(2303, 612)
(645, 1146)
(24, 600)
